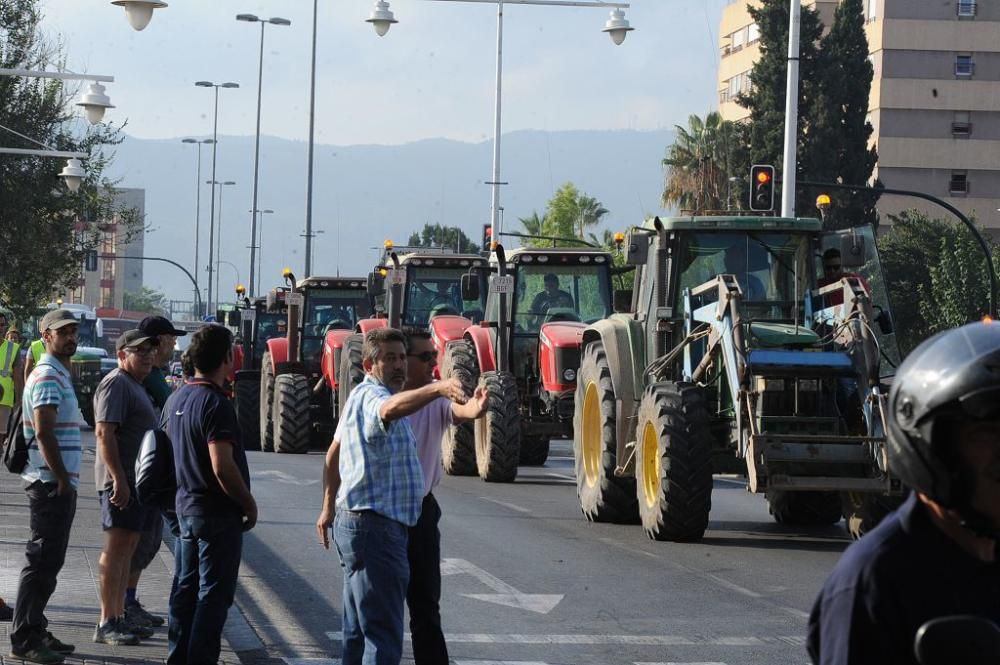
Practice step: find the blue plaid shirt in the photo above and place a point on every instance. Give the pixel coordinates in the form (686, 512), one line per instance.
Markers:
(379, 467)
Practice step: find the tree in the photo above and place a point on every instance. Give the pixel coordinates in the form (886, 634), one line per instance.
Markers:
(449, 237)
(567, 215)
(146, 300)
(46, 229)
(590, 211)
(700, 162)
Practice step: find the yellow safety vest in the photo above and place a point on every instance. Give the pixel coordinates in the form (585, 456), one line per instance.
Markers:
(8, 358)
(37, 349)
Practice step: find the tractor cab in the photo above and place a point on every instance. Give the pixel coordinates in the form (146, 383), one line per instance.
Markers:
(329, 303)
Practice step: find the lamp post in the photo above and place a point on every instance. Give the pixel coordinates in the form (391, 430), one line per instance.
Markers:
(274, 20)
(215, 145)
(617, 27)
(260, 241)
(312, 246)
(231, 265)
(312, 131)
(218, 246)
(197, 204)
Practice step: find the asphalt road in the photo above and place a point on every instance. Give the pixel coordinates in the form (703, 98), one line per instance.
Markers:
(529, 581)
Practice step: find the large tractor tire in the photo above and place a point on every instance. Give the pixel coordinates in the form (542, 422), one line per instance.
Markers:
(674, 462)
(604, 497)
(863, 512)
(246, 400)
(291, 413)
(498, 432)
(351, 372)
(266, 422)
(534, 450)
(458, 445)
(804, 508)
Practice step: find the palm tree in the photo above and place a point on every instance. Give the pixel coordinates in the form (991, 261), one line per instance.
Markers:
(590, 212)
(533, 226)
(699, 162)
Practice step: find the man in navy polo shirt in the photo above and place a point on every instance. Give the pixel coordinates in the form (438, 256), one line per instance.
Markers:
(214, 504)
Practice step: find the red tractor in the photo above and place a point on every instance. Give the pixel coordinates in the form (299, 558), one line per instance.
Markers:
(527, 352)
(299, 382)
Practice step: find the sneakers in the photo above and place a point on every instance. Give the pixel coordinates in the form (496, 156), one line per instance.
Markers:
(136, 612)
(138, 629)
(115, 633)
(40, 654)
(55, 644)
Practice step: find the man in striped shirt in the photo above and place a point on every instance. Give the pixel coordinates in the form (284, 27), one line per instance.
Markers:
(51, 418)
(374, 485)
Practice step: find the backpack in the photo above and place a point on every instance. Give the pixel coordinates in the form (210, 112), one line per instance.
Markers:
(15, 446)
(155, 477)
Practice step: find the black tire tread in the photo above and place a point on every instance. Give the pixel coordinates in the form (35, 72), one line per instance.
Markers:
(534, 450)
(458, 445)
(265, 420)
(292, 428)
(246, 400)
(352, 372)
(498, 432)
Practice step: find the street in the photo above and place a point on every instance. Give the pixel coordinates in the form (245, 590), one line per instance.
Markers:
(527, 580)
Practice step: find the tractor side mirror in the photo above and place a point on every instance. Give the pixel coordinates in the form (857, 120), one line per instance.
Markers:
(852, 251)
(622, 301)
(968, 639)
(376, 284)
(636, 248)
(470, 286)
(884, 321)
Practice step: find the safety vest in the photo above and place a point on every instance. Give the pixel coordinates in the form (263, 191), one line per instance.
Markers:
(8, 358)
(37, 349)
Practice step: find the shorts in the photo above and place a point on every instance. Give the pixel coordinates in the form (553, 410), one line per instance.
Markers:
(133, 517)
(149, 542)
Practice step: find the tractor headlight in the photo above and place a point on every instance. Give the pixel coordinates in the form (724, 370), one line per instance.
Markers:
(569, 375)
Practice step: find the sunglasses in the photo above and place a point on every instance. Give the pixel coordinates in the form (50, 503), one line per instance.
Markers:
(425, 357)
(142, 350)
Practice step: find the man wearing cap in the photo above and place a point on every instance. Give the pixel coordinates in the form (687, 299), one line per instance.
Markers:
(123, 412)
(52, 475)
(155, 384)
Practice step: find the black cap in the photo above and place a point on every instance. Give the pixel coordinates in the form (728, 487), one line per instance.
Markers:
(57, 318)
(159, 325)
(133, 338)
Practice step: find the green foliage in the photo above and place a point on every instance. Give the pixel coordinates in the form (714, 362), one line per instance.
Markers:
(46, 229)
(699, 165)
(450, 237)
(936, 275)
(146, 300)
(623, 277)
(568, 214)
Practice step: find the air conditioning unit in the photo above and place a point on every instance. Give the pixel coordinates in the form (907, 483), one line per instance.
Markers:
(967, 8)
(961, 129)
(958, 186)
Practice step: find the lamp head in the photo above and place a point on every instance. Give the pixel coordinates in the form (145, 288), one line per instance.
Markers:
(381, 18)
(249, 18)
(74, 174)
(189, 140)
(617, 26)
(277, 20)
(94, 102)
(139, 12)
(204, 84)
(229, 84)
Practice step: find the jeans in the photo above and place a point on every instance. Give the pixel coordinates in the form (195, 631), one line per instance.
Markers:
(50, 523)
(372, 551)
(424, 593)
(209, 553)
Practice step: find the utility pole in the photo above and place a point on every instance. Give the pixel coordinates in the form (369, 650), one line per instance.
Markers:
(791, 111)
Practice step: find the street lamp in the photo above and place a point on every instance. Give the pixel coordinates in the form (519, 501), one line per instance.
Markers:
(95, 102)
(260, 241)
(313, 245)
(274, 20)
(139, 12)
(218, 247)
(235, 269)
(617, 27)
(73, 173)
(197, 205)
(215, 145)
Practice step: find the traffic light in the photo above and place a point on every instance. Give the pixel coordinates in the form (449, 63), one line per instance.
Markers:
(762, 187)
(487, 237)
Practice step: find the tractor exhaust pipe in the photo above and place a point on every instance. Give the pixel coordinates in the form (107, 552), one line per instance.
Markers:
(503, 326)
(293, 316)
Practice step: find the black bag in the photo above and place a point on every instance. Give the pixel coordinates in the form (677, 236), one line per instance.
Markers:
(155, 478)
(15, 447)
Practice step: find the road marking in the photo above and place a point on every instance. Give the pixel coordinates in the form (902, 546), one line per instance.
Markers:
(673, 662)
(311, 661)
(281, 477)
(466, 661)
(500, 662)
(512, 506)
(620, 640)
(562, 475)
(741, 483)
(733, 587)
(504, 594)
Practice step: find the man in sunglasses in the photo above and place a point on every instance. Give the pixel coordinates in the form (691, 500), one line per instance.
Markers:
(833, 271)
(423, 595)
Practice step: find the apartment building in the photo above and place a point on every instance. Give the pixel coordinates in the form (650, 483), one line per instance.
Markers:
(106, 286)
(935, 98)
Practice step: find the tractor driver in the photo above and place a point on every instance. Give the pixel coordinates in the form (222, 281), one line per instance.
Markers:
(552, 296)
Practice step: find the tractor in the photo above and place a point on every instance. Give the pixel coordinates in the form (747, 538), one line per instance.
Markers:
(298, 382)
(527, 353)
(738, 356)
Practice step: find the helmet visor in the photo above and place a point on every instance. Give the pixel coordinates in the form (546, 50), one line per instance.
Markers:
(983, 404)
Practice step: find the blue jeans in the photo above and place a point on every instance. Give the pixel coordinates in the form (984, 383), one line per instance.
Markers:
(208, 563)
(372, 552)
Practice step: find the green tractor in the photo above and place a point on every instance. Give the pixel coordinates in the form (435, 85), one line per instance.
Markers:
(739, 356)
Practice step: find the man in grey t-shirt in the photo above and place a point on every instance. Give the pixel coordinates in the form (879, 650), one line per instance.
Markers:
(123, 412)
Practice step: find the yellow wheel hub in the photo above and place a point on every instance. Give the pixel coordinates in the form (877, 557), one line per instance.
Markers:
(591, 443)
(650, 461)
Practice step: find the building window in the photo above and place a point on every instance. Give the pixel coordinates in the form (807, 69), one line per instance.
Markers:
(739, 39)
(964, 66)
(959, 183)
(967, 8)
(753, 33)
(872, 13)
(961, 125)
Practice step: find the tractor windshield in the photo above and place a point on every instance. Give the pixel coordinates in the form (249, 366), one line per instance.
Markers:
(87, 335)
(560, 293)
(771, 268)
(269, 326)
(330, 309)
(432, 291)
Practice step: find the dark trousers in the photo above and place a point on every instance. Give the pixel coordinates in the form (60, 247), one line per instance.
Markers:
(423, 596)
(209, 552)
(50, 523)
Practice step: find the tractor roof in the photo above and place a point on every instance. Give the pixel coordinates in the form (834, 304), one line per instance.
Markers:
(441, 260)
(557, 255)
(332, 283)
(735, 223)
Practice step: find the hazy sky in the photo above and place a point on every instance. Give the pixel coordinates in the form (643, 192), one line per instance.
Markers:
(431, 76)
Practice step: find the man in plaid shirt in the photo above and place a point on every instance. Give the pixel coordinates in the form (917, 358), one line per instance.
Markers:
(374, 485)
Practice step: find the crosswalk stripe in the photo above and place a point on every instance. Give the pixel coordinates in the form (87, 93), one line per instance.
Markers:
(630, 640)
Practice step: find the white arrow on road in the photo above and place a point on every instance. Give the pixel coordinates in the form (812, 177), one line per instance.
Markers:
(505, 594)
(280, 476)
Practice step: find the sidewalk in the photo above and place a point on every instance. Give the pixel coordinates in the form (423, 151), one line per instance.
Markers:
(74, 608)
